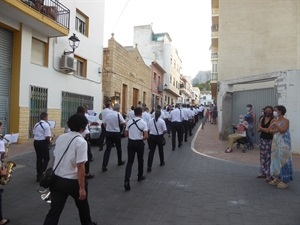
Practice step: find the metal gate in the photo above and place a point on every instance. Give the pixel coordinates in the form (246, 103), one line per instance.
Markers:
(258, 99)
(6, 38)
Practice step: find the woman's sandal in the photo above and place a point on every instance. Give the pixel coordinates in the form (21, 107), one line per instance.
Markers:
(228, 150)
(282, 185)
(275, 181)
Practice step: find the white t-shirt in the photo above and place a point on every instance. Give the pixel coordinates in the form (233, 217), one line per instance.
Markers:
(77, 153)
(160, 124)
(133, 132)
(130, 115)
(146, 117)
(112, 122)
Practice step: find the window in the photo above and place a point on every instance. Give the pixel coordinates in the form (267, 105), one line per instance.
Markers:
(173, 81)
(176, 85)
(81, 66)
(154, 76)
(69, 104)
(170, 79)
(39, 52)
(81, 22)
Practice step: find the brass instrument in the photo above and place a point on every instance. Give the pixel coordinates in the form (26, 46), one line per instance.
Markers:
(8, 166)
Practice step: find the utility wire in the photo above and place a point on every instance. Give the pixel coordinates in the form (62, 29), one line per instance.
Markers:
(121, 14)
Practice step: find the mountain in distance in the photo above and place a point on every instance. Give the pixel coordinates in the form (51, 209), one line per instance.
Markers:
(201, 77)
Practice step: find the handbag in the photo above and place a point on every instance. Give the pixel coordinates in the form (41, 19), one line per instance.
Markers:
(163, 140)
(48, 176)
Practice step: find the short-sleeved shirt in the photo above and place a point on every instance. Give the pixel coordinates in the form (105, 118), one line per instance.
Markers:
(160, 124)
(112, 122)
(41, 130)
(130, 115)
(77, 153)
(133, 132)
(105, 112)
(176, 115)
(146, 117)
(2, 146)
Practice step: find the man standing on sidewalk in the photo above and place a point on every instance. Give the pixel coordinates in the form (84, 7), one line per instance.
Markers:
(113, 123)
(42, 135)
(137, 132)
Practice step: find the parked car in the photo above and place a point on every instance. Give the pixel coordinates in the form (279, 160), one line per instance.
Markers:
(95, 130)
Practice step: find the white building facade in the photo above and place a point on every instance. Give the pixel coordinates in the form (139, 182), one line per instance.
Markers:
(46, 75)
(158, 47)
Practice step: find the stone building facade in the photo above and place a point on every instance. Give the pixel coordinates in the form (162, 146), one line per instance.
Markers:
(126, 78)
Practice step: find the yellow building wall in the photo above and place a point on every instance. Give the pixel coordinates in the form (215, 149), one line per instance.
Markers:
(125, 66)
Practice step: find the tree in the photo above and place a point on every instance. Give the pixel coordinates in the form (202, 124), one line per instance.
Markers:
(203, 86)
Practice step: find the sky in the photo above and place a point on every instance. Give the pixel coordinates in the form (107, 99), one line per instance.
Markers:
(187, 22)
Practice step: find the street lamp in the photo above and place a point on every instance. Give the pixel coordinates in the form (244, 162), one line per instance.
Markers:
(74, 43)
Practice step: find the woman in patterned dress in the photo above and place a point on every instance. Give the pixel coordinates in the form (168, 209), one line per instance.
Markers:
(281, 156)
(265, 143)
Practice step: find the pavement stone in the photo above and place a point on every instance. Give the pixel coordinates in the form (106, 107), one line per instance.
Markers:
(191, 189)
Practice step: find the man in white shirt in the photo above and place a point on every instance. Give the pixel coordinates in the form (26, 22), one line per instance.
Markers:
(69, 179)
(103, 130)
(162, 115)
(176, 117)
(41, 143)
(137, 131)
(113, 123)
(186, 122)
(146, 115)
(130, 114)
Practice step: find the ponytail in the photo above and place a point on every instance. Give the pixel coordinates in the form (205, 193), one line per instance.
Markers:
(157, 114)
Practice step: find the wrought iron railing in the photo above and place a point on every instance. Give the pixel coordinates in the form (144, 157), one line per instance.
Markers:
(53, 9)
(38, 104)
(69, 105)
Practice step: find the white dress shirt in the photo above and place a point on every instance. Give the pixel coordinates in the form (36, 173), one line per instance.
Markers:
(186, 113)
(176, 115)
(105, 112)
(41, 130)
(162, 115)
(133, 132)
(130, 115)
(77, 153)
(112, 122)
(160, 124)
(146, 117)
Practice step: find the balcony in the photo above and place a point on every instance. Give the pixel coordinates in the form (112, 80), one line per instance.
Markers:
(214, 77)
(160, 88)
(214, 55)
(50, 18)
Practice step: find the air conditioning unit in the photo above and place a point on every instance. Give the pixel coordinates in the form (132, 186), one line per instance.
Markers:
(67, 64)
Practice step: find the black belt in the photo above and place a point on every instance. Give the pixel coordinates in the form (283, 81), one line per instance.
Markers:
(135, 140)
(39, 140)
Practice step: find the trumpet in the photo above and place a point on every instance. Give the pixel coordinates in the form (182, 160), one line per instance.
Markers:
(45, 194)
(8, 166)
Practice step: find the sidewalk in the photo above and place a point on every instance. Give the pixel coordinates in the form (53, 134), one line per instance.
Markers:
(208, 143)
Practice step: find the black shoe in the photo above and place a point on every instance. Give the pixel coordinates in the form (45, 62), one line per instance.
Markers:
(100, 149)
(127, 185)
(185, 140)
(162, 164)
(148, 169)
(92, 223)
(89, 176)
(104, 169)
(141, 178)
(173, 149)
(191, 134)
(121, 163)
(92, 159)
(180, 144)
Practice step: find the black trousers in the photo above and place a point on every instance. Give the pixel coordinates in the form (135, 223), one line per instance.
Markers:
(155, 140)
(177, 127)
(186, 125)
(42, 156)
(89, 156)
(61, 189)
(1, 216)
(102, 136)
(112, 138)
(132, 148)
(196, 118)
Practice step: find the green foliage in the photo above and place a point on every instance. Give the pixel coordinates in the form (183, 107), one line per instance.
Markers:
(203, 86)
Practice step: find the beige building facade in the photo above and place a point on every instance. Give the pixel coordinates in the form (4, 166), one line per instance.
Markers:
(126, 78)
(256, 60)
